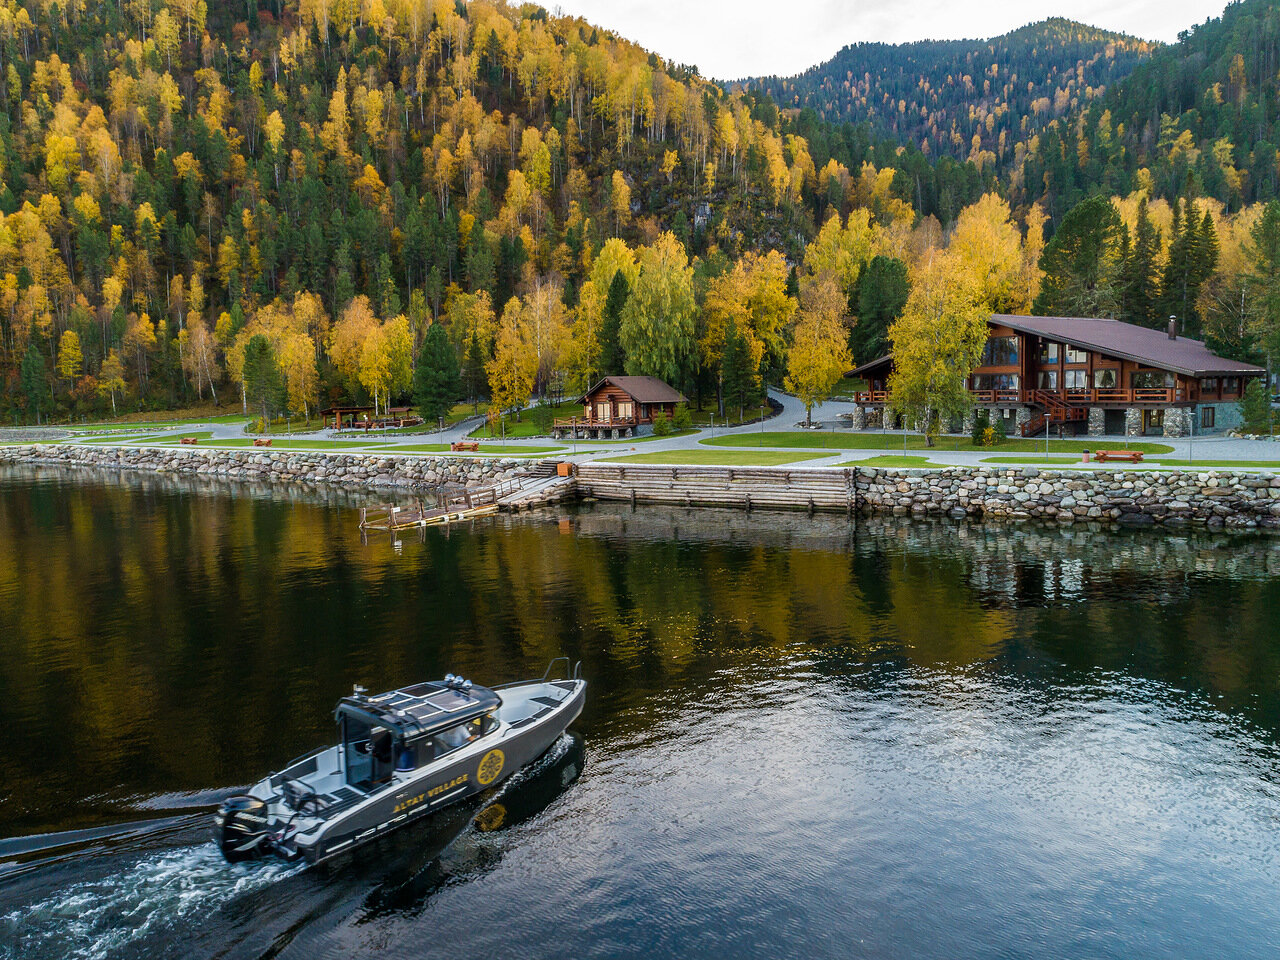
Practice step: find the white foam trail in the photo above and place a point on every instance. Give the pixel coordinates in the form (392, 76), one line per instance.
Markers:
(94, 919)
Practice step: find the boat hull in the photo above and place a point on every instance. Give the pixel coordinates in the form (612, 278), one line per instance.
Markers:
(403, 803)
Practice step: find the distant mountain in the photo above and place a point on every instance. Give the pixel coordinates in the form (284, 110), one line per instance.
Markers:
(961, 98)
(1200, 116)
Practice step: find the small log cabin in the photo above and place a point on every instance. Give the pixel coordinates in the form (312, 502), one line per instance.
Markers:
(621, 407)
(1091, 375)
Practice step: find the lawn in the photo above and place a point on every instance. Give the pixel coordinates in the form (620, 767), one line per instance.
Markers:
(711, 458)
(171, 437)
(486, 449)
(114, 438)
(1197, 464)
(828, 439)
(1031, 461)
(605, 444)
(153, 424)
(277, 443)
(892, 460)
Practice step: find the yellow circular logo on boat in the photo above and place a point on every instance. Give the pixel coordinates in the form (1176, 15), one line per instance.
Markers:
(490, 767)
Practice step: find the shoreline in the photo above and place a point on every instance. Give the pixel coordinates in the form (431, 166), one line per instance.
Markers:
(1126, 497)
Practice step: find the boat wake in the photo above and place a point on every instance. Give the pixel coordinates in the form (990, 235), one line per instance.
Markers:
(96, 919)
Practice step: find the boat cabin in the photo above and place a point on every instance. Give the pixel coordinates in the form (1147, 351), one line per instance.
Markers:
(405, 729)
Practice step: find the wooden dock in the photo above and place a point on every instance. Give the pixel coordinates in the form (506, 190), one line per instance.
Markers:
(454, 503)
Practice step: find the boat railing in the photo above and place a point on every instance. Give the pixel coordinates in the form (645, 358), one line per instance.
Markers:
(573, 669)
(306, 756)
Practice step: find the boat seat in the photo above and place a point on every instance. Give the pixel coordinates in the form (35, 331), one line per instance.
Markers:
(532, 717)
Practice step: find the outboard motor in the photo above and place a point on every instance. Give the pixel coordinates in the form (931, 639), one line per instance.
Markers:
(240, 827)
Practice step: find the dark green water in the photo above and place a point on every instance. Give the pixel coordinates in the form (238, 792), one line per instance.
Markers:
(802, 737)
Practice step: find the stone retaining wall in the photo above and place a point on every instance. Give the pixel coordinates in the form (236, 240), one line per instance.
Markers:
(1135, 497)
(276, 466)
(1213, 498)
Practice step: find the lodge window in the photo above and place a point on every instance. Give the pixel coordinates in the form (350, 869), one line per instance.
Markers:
(1076, 379)
(1049, 351)
(624, 409)
(1047, 380)
(995, 381)
(1207, 415)
(1076, 355)
(1000, 352)
(1230, 385)
(1105, 379)
(1209, 385)
(1150, 379)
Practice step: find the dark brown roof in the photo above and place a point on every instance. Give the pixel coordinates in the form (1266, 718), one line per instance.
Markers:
(1128, 341)
(871, 365)
(640, 389)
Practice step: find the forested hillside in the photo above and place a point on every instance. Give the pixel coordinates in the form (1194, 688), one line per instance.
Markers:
(177, 176)
(289, 203)
(1200, 117)
(966, 99)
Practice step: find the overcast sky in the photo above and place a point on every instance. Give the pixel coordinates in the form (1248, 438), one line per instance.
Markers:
(729, 39)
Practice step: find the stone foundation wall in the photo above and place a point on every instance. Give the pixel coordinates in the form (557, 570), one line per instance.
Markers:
(1214, 498)
(1133, 497)
(278, 466)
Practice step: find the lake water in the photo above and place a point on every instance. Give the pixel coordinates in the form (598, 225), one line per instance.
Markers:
(802, 737)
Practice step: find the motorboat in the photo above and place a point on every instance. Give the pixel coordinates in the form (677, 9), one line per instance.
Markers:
(401, 755)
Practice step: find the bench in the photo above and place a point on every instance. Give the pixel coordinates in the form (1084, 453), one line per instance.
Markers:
(261, 442)
(1133, 456)
(190, 440)
(470, 445)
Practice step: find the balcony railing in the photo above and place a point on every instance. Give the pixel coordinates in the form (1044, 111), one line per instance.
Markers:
(579, 423)
(1079, 396)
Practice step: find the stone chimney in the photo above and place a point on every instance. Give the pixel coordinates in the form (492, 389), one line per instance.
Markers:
(1173, 328)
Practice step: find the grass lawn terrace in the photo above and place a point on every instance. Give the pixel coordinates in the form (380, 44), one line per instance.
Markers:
(723, 458)
(837, 440)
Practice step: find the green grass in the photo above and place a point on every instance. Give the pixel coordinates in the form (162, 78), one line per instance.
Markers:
(606, 444)
(726, 458)
(892, 460)
(278, 443)
(1031, 461)
(132, 425)
(486, 449)
(1195, 464)
(127, 438)
(171, 437)
(827, 439)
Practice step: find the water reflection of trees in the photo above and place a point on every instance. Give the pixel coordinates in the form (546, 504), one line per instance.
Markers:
(160, 635)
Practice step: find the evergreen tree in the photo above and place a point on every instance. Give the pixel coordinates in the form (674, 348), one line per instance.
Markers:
(1264, 256)
(612, 358)
(1193, 254)
(741, 387)
(1081, 263)
(1140, 278)
(882, 294)
(263, 385)
(474, 376)
(33, 380)
(436, 380)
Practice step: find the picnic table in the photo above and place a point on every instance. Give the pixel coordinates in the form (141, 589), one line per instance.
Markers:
(471, 445)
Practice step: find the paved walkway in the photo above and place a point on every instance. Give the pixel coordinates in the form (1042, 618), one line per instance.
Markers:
(1216, 448)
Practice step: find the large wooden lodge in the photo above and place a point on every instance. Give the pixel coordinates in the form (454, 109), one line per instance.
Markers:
(1085, 375)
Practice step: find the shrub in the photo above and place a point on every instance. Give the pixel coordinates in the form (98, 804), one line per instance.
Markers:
(1255, 408)
(683, 420)
(661, 424)
(1001, 433)
(981, 424)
